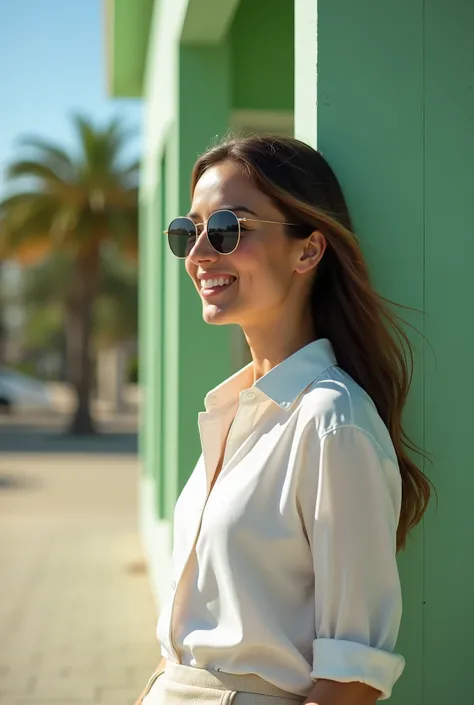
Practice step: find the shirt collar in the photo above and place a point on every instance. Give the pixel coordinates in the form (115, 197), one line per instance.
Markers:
(283, 383)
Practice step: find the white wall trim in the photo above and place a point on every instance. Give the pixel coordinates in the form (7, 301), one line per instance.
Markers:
(306, 70)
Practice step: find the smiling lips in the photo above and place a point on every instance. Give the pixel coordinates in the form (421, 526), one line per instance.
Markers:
(210, 287)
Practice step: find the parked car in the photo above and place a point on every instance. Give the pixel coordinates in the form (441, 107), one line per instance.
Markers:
(20, 392)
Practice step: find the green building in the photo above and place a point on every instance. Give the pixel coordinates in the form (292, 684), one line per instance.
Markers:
(385, 89)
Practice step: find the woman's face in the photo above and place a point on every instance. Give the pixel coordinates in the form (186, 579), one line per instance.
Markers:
(264, 271)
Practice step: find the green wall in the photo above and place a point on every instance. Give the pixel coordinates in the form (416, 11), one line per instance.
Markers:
(262, 55)
(127, 28)
(395, 109)
(370, 127)
(449, 296)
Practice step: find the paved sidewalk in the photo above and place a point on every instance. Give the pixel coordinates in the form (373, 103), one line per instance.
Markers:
(77, 620)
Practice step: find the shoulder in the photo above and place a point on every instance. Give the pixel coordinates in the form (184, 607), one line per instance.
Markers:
(335, 401)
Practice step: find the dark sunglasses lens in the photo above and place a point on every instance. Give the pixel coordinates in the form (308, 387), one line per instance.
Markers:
(223, 231)
(181, 236)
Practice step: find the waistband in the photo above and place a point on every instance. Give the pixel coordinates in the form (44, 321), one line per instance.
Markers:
(245, 683)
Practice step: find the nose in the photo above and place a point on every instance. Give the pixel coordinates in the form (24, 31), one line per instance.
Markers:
(202, 250)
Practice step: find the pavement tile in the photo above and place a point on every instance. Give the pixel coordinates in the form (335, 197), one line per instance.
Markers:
(77, 624)
(46, 687)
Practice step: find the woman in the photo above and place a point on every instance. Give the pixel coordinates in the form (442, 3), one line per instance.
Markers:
(286, 587)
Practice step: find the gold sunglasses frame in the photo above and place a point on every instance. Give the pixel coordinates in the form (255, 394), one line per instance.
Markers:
(239, 221)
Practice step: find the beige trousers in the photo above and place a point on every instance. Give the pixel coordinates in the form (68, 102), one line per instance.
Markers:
(178, 685)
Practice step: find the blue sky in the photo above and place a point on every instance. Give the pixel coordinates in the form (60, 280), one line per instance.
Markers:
(52, 58)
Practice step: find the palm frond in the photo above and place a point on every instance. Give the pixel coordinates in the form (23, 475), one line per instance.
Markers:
(93, 166)
(119, 198)
(28, 210)
(99, 203)
(21, 199)
(52, 155)
(86, 132)
(29, 217)
(45, 173)
(101, 150)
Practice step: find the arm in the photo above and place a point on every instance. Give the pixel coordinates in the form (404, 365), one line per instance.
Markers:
(332, 693)
(160, 666)
(350, 505)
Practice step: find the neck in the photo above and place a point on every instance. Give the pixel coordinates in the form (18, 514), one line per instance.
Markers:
(276, 340)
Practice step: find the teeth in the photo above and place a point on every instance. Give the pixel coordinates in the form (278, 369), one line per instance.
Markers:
(210, 283)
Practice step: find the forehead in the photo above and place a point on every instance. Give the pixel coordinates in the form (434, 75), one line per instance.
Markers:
(224, 184)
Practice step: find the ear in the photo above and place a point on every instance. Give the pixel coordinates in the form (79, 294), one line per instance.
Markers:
(312, 252)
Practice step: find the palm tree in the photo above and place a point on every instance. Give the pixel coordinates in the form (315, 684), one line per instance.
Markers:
(76, 204)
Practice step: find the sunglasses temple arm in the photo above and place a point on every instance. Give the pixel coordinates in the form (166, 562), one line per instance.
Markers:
(272, 222)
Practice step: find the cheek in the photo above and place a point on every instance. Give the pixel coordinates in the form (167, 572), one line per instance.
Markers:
(267, 271)
(250, 263)
(190, 268)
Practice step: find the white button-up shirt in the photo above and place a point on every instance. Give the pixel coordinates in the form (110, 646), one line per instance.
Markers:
(287, 568)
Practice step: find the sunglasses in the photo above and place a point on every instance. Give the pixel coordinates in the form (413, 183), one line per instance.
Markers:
(223, 229)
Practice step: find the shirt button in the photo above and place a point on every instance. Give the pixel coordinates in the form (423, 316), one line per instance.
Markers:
(212, 401)
(173, 585)
(250, 396)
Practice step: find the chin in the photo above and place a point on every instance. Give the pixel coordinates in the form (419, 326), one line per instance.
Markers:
(217, 316)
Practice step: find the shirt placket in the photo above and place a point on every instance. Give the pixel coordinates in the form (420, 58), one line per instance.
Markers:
(210, 429)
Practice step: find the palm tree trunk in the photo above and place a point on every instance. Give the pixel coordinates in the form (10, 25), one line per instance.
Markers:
(78, 340)
(2, 321)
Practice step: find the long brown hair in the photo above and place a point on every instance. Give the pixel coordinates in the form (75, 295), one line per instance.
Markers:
(368, 339)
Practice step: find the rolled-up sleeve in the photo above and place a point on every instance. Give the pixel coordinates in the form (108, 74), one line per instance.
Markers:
(351, 506)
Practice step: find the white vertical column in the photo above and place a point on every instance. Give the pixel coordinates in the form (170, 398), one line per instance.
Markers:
(306, 70)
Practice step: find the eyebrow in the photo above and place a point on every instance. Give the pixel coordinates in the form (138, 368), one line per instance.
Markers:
(244, 209)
